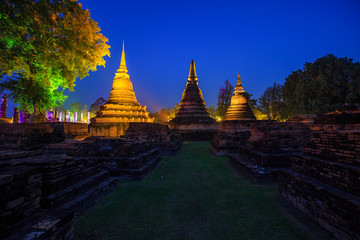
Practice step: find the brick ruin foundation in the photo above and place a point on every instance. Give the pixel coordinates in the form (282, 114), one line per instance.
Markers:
(259, 148)
(34, 135)
(324, 179)
(48, 177)
(157, 135)
(316, 163)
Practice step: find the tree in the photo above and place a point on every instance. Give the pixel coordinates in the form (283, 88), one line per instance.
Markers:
(271, 105)
(79, 108)
(171, 111)
(156, 116)
(29, 93)
(213, 111)
(323, 86)
(96, 105)
(165, 115)
(224, 98)
(252, 102)
(47, 45)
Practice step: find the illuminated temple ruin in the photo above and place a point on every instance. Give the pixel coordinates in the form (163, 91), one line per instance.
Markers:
(192, 120)
(239, 108)
(121, 108)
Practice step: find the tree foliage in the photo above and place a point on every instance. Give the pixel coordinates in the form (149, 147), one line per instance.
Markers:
(28, 93)
(213, 111)
(323, 86)
(47, 45)
(79, 108)
(271, 105)
(96, 105)
(165, 115)
(224, 98)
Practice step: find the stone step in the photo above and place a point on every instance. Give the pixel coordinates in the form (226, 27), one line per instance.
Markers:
(337, 174)
(66, 178)
(268, 160)
(336, 210)
(88, 198)
(59, 197)
(45, 225)
(10, 154)
(126, 174)
(254, 172)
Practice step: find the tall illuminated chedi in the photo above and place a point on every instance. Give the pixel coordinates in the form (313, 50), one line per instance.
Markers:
(121, 107)
(239, 108)
(192, 120)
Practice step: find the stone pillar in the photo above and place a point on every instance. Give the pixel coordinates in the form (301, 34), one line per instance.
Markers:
(60, 116)
(3, 106)
(69, 116)
(75, 116)
(21, 117)
(65, 116)
(88, 117)
(16, 115)
(82, 117)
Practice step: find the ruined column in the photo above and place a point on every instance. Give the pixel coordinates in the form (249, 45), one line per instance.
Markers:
(3, 106)
(16, 115)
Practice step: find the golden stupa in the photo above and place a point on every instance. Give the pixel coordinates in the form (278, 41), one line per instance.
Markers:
(239, 108)
(122, 105)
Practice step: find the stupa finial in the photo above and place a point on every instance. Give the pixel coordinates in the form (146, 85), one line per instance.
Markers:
(239, 86)
(122, 67)
(192, 72)
(122, 71)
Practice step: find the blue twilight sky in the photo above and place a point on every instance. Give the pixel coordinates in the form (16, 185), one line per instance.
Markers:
(263, 40)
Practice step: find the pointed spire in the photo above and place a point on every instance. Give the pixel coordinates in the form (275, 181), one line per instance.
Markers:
(122, 67)
(239, 87)
(192, 72)
(122, 71)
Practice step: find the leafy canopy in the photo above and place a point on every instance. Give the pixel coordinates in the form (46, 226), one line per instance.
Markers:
(271, 105)
(323, 86)
(47, 44)
(165, 115)
(224, 98)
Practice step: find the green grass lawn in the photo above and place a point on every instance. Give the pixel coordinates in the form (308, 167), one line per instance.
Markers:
(193, 195)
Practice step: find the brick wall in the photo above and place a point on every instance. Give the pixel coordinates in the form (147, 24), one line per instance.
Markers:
(157, 135)
(324, 179)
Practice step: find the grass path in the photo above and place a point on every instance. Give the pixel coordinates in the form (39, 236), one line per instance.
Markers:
(190, 196)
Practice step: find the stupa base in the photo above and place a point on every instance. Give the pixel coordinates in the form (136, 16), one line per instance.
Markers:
(111, 130)
(195, 132)
(5, 120)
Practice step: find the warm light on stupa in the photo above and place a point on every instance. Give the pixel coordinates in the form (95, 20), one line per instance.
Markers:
(122, 105)
(239, 108)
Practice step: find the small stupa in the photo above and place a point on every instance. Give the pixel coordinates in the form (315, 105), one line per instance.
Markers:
(121, 107)
(193, 120)
(239, 108)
